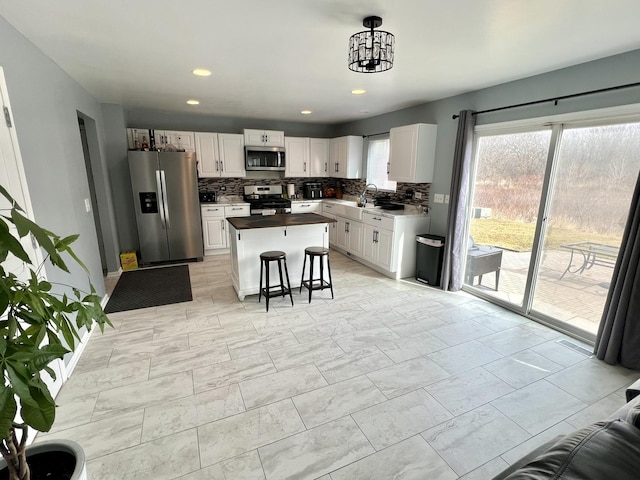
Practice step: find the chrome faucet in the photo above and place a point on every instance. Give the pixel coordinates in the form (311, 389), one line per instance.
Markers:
(363, 199)
(369, 185)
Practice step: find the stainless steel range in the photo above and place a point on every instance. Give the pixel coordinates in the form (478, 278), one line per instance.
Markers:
(266, 200)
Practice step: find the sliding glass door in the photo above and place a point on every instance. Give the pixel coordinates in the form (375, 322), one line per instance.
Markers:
(546, 216)
(595, 174)
(509, 175)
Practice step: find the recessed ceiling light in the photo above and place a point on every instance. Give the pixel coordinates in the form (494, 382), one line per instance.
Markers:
(358, 91)
(306, 112)
(201, 72)
(193, 102)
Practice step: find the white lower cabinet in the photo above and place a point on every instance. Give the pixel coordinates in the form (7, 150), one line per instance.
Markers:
(382, 241)
(377, 246)
(215, 228)
(349, 235)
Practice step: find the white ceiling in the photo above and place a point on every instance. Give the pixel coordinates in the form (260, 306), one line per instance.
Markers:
(272, 58)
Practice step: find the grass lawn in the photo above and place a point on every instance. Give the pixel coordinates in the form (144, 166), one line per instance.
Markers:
(518, 236)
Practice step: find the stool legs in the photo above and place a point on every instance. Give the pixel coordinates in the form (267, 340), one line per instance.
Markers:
(265, 264)
(311, 262)
(330, 279)
(267, 294)
(304, 265)
(286, 272)
(260, 291)
(321, 253)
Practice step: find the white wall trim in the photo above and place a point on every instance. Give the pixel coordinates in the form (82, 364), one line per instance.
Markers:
(115, 274)
(625, 112)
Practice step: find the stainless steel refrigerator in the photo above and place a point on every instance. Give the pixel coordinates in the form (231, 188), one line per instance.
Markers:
(165, 197)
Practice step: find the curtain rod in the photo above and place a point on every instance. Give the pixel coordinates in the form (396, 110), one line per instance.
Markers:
(555, 99)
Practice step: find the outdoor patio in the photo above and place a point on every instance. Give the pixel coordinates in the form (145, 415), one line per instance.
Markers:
(576, 298)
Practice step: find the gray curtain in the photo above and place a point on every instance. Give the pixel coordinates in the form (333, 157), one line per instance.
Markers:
(618, 339)
(453, 263)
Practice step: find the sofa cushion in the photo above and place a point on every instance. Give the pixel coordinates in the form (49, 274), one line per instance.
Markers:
(602, 451)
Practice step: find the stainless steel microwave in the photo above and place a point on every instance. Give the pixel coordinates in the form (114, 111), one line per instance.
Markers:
(264, 158)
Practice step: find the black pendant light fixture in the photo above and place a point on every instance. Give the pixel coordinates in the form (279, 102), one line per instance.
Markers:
(371, 51)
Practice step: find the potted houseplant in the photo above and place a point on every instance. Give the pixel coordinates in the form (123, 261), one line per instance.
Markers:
(38, 324)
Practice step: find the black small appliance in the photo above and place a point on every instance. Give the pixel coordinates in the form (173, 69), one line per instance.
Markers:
(312, 190)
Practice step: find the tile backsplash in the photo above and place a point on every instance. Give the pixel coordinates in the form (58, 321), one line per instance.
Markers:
(234, 186)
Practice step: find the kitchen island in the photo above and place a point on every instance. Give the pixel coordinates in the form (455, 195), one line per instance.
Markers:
(290, 233)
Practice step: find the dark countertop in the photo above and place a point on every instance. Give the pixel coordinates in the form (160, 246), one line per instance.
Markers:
(285, 220)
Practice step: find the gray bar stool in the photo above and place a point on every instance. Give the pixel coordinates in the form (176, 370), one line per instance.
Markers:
(265, 259)
(321, 253)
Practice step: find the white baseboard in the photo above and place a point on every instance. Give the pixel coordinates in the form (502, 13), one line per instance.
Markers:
(115, 274)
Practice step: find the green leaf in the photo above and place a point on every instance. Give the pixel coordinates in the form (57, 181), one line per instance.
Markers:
(40, 415)
(8, 409)
(11, 244)
(19, 378)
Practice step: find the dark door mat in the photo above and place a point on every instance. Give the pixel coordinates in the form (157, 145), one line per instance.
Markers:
(150, 288)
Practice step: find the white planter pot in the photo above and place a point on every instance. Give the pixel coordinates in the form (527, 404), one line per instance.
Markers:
(68, 446)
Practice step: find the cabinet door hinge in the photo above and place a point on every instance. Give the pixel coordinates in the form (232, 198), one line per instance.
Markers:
(7, 116)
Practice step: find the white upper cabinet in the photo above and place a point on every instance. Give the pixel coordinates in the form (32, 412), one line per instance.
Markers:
(220, 154)
(231, 150)
(263, 138)
(319, 157)
(181, 140)
(297, 157)
(412, 153)
(207, 154)
(345, 158)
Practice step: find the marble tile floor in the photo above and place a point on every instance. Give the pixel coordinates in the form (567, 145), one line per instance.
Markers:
(391, 379)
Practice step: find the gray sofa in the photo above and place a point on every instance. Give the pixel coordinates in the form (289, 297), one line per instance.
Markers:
(606, 450)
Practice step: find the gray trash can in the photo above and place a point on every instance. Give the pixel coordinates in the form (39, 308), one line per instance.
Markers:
(429, 255)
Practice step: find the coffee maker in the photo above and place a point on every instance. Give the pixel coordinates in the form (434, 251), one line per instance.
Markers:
(312, 190)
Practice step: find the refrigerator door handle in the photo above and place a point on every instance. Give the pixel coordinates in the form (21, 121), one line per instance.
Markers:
(165, 200)
(161, 195)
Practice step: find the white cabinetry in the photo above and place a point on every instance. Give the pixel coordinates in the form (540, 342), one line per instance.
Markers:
(412, 153)
(263, 138)
(236, 211)
(345, 157)
(208, 154)
(231, 149)
(215, 228)
(383, 241)
(306, 207)
(378, 240)
(306, 157)
(297, 157)
(349, 235)
(181, 140)
(319, 157)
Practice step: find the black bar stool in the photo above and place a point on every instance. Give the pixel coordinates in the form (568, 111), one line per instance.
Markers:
(265, 259)
(321, 253)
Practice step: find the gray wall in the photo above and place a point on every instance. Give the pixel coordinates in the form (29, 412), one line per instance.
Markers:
(611, 71)
(45, 103)
(116, 156)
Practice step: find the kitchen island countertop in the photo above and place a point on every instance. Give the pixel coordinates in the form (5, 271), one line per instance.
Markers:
(284, 220)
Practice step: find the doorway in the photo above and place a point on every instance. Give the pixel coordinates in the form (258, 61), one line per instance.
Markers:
(92, 193)
(551, 203)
